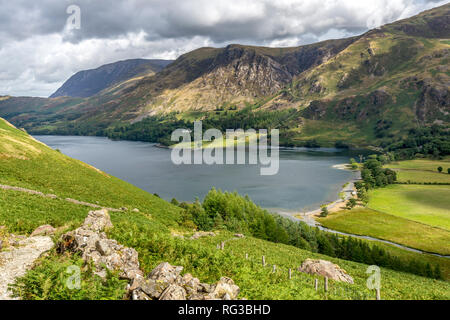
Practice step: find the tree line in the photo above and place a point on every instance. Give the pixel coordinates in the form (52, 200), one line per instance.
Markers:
(232, 212)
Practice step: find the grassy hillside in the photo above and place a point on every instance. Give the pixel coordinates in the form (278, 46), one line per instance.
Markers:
(27, 163)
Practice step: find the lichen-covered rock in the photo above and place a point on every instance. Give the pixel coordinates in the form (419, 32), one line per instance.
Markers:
(326, 269)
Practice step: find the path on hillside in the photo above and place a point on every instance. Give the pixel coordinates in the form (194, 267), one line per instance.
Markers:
(52, 196)
(15, 261)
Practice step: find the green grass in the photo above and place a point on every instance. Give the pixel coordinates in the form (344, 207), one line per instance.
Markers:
(421, 171)
(388, 227)
(425, 204)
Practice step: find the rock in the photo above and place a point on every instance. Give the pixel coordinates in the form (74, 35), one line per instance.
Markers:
(135, 210)
(239, 235)
(201, 234)
(97, 221)
(204, 287)
(225, 290)
(190, 284)
(44, 230)
(103, 246)
(165, 273)
(150, 288)
(173, 292)
(326, 269)
(166, 283)
(94, 246)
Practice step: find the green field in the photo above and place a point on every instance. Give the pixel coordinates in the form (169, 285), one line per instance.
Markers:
(425, 204)
(388, 227)
(421, 171)
(27, 163)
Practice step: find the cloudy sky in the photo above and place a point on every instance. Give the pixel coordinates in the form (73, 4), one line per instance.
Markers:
(40, 48)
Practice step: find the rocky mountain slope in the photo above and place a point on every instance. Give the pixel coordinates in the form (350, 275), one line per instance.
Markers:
(361, 90)
(90, 82)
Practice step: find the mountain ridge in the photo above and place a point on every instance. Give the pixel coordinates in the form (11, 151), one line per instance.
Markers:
(89, 82)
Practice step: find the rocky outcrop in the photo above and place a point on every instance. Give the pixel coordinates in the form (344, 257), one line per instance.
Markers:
(91, 241)
(325, 269)
(163, 283)
(434, 101)
(166, 283)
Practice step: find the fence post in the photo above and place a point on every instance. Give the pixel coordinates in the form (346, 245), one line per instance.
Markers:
(246, 256)
(316, 284)
(222, 245)
(378, 294)
(274, 268)
(290, 274)
(263, 261)
(326, 284)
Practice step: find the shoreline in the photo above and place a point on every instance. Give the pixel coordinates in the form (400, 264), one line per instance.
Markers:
(347, 190)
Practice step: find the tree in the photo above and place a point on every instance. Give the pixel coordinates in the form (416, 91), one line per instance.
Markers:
(440, 169)
(324, 212)
(351, 204)
(448, 170)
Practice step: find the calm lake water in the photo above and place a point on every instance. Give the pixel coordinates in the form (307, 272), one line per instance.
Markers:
(306, 178)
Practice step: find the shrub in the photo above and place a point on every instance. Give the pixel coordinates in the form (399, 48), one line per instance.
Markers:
(324, 212)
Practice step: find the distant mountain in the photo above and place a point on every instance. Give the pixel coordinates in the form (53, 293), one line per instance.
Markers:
(365, 90)
(90, 82)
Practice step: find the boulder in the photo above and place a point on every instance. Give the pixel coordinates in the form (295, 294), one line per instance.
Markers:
(239, 235)
(44, 230)
(325, 269)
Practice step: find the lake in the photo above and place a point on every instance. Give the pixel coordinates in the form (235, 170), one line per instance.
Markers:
(306, 177)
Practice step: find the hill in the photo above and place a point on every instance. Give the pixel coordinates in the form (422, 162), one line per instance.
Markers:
(369, 90)
(90, 82)
(154, 232)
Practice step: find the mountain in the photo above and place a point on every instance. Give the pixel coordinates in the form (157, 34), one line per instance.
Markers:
(366, 90)
(90, 82)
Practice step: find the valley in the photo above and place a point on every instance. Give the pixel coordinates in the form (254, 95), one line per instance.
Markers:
(364, 126)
